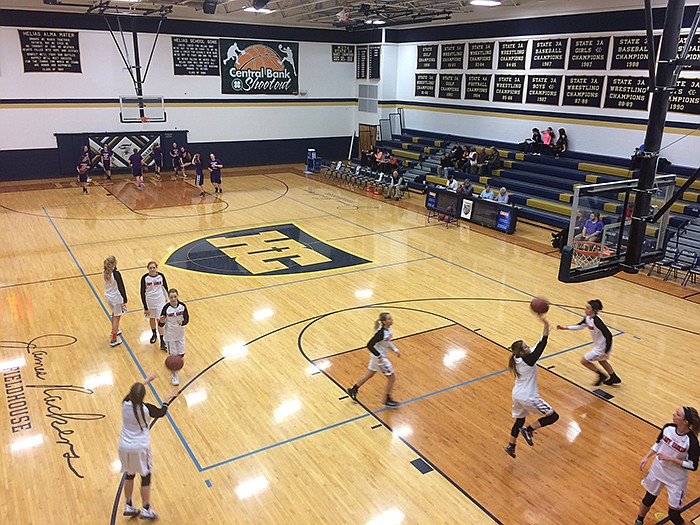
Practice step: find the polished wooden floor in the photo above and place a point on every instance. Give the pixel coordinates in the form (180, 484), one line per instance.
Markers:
(262, 431)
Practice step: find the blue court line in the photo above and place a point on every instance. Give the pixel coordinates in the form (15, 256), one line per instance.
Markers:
(207, 483)
(124, 341)
(687, 507)
(290, 440)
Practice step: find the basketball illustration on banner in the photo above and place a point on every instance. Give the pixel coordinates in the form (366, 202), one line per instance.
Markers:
(252, 67)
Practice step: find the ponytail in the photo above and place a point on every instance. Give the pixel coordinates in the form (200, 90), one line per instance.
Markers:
(110, 263)
(380, 321)
(135, 396)
(693, 419)
(596, 305)
(517, 349)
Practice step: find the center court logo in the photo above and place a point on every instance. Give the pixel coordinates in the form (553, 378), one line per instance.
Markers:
(271, 250)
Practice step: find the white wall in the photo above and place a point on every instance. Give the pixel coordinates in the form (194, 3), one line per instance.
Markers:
(611, 138)
(104, 77)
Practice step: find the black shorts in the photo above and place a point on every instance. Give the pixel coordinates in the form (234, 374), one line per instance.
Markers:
(136, 172)
(199, 179)
(215, 178)
(176, 163)
(106, 165)
(82, 177)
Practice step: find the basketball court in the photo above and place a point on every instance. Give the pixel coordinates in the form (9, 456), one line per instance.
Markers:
(262, 430)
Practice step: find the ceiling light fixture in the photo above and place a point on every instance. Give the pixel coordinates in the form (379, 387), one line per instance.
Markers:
(261, 11)
(485, 3)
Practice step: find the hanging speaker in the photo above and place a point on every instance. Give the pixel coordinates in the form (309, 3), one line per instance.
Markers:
(209, 6)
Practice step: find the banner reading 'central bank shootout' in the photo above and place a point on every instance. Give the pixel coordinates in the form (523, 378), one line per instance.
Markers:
(250, 67)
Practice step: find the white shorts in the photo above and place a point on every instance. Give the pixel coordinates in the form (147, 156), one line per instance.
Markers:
(136, 461)
(176, 347)
(380, 364)
(598, 354)
(117, 309)
(535, 405)
(154, 310)
(675, 491)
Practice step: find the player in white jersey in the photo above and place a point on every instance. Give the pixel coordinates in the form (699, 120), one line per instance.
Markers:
(526, 395)
(115, 296)
(154, 294)
(602, 343)
(135, 445)
(677, 453)
(174, 317)
(378, 362)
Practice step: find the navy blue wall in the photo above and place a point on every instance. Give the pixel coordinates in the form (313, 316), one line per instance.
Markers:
(28, 164)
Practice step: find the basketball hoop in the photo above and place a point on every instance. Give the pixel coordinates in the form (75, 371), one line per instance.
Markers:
(587, 253)
(144, 120)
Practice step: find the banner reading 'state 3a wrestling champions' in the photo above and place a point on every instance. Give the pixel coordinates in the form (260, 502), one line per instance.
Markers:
(250, 67)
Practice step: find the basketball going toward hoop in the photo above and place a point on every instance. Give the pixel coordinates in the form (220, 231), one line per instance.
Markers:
(539, 305)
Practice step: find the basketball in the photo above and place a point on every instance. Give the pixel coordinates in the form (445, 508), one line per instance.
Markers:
(174, 362)
(258, 56)
(539, 305)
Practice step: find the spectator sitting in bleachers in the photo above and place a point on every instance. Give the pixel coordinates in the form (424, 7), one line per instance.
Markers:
(562, 143)
(487, 193)
(466, 188)
(492, 162)
(481, 156)
(378, 157)
(593, 229)
(456, 154)
(463, 164)
(473, 158)
(445, 166)
(395, 184)
(502, 196)
(580, 223)
(548, 141)
(367, 158)
(451, 183)
(532, 144)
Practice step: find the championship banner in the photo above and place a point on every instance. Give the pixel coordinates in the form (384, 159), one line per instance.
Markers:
(251, 67)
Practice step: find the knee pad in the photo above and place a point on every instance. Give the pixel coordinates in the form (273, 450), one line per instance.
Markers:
(648, 499)
(515, 431)
(549, 420)
(675, 516)
(146, 480)
(129, 477)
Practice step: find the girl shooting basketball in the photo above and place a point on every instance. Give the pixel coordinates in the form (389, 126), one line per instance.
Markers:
(215, 172)
(677, 452)
(526, 396)
(154, 295)
(135, 445)
(174, 317)
(378, 345)
(602, 343)
(115, 295)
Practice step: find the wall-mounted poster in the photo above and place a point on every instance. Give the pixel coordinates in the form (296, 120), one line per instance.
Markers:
(195, 56)
(548, 53)
(583, 91)
(450, 86)
(509, 88)
(511, 55)
(480, 55)
(375, 56)
(361, 64)
(50, 51)
(342, 53)
(627, 93)
(630, 52)
(427, 57)
(425, 85)
(452, 56)
(251, 67)
(477, 87)
(543, 89)
(589, 53)
(686, 97)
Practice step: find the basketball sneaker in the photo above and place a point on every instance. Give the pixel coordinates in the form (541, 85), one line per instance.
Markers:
(510, 450)
(115, 342)
(130, 510)
(89, 180)
(527, 434)
(612, 380)
(390, 403)
(201, 194)
(154, 338)
(176, 380)
(163, 345)
(601, 378)
(638, 521)
(148, 514)
(352, 392)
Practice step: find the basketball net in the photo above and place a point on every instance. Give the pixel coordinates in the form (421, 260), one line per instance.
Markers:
(144, 120)
(587, 253)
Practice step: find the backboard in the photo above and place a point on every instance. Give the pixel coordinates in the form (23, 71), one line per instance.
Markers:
(599, 227)
(141, 109)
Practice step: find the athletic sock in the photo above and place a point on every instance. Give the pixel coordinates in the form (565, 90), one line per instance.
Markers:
(129, 502)
(146, 505)
(114, 336)
(529, 429)
(154, 331)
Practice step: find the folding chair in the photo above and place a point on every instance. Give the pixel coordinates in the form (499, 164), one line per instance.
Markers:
(692, 271)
